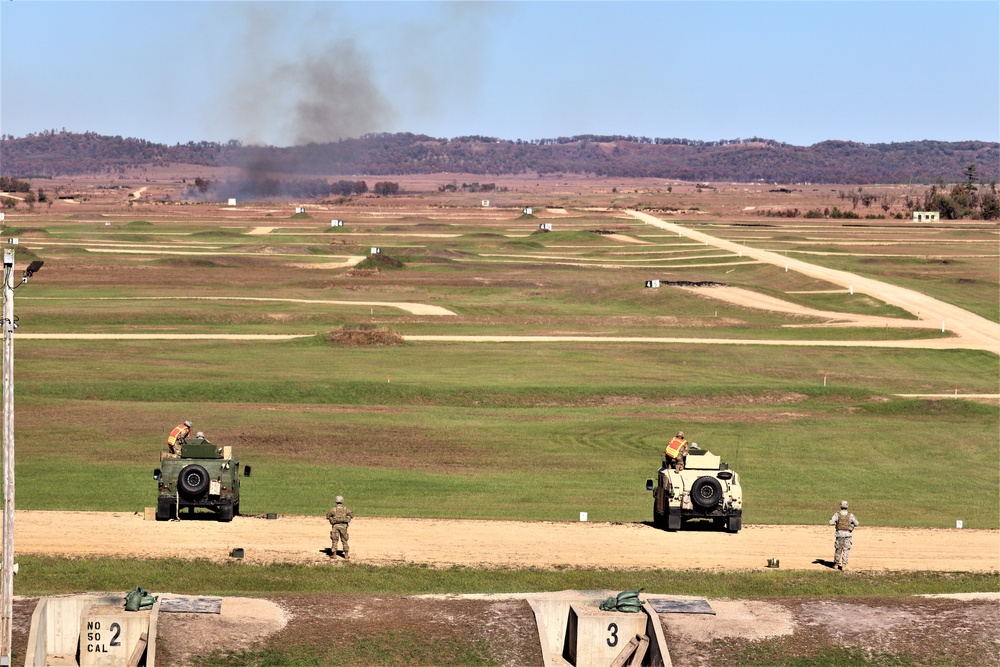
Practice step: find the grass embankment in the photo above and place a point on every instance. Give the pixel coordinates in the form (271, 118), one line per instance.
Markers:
(43, 575)
(416, 637)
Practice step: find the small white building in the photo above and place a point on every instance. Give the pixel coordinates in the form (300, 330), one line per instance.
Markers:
(926, 216)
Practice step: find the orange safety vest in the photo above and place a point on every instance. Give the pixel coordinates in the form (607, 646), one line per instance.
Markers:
(674, 447)
(180, 431)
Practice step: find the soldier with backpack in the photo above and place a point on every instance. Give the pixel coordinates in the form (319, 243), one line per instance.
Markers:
(675, 451)
(339, 517)
(175, 441)
(844, 523)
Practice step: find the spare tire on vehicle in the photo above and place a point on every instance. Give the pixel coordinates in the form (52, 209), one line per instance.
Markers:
(706, 492)
(193, 480)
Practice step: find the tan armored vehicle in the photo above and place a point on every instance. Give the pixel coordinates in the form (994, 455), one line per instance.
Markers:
(705, 489)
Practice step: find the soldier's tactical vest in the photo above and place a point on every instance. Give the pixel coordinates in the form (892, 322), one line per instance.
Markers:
(674, 447)
(180, 431)
(844, 521)
(340, 514)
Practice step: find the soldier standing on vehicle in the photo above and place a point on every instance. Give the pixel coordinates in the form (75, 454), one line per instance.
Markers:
(339, 517)
(176, 438)
(676, 449)
(844, 523)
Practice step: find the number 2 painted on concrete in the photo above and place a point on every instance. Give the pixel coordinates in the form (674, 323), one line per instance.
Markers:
(613, 639)
(118, 630)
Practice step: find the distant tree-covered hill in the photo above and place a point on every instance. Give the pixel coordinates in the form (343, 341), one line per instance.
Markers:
(54, 153)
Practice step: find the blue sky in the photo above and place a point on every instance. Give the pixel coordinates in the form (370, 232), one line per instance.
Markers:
(292, 72)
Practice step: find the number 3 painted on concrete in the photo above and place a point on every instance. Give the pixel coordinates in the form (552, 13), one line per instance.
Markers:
(613, 639)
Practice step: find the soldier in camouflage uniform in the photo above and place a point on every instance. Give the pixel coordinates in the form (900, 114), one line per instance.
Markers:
(339, 517)
(175, 441)
(845, 523)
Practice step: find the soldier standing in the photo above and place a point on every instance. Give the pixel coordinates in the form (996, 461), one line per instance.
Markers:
(844, 523)
(339, 517)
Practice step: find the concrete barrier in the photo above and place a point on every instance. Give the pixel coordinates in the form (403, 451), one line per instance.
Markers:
(594, 637)
(574, 632)
(91, 631)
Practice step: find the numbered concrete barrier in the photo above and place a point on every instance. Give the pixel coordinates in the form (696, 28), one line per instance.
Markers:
(594, 637)
(574, 631)
(91, 631)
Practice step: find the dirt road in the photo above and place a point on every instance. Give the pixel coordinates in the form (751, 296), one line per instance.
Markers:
(976, 332)
(409, 307)
(542, 544)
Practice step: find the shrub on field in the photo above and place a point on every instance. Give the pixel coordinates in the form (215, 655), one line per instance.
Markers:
(379, 261)
(364, 334)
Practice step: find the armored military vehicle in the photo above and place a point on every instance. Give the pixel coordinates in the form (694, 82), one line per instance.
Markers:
(202, 476)
(705, 489)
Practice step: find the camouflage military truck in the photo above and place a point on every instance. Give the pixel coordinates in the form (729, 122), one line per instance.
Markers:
(202, 476)
(705, 489)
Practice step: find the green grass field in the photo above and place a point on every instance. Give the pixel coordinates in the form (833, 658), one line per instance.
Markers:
(444, 429)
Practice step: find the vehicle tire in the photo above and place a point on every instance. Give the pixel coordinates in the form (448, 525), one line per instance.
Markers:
(657, 517)
(193, 480)
(706, 492)
(734, 524)
(226, 512)
(164, 509)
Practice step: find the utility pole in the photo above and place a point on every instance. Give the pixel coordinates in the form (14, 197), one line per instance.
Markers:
(7, 562)
(7, 566)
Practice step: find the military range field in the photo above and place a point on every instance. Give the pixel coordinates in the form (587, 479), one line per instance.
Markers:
(480, 382)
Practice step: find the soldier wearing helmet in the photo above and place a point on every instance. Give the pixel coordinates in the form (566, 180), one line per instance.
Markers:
(339, 517)
(676, 450)
(175, 441)
(844, 524)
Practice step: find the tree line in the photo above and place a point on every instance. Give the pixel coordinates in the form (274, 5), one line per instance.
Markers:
(56, 153)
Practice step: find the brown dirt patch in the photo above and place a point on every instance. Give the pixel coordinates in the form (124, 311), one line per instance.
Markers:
(362, 336)
(244, 622)
(913, 629)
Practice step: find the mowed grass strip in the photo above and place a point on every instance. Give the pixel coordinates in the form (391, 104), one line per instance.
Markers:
(46, 575)
(313, 371)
